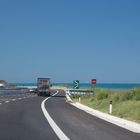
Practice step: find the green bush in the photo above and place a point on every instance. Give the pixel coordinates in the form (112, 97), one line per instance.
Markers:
(136, 90)
(75, 96)
(116, 97)
(137, 97)
(131, 95)
(63, 85)
(87, 95)
(126, 96)
(102, 94)
(136, 94)
(92, 99)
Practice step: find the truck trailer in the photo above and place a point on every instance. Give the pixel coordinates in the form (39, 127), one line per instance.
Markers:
(43, 87)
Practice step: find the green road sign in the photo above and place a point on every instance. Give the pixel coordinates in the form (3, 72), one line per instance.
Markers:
(76, 84)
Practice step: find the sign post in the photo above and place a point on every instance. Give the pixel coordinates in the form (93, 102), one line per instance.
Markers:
(93, 82)
(76, 84)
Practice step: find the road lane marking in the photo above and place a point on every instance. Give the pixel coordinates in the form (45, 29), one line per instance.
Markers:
(19, 98)
(7, 102)
(0, 103)
(13, 99)
(54, 126)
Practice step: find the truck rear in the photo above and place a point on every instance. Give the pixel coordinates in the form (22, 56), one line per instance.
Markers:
(43, 87)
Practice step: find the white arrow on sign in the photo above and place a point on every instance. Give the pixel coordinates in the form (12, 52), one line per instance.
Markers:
(76, 84)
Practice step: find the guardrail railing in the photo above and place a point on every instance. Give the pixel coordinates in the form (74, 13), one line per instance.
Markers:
(78, 91)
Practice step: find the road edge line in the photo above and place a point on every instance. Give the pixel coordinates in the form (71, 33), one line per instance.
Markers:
(131, 126)
(126, 124)
(52, 123)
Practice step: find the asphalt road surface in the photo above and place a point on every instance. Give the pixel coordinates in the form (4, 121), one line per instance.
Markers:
(21, 118)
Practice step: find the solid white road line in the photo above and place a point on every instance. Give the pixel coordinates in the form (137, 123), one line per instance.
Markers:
(54, 126)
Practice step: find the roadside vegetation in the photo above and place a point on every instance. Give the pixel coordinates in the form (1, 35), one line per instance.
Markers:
(63, 85)
(126, 104)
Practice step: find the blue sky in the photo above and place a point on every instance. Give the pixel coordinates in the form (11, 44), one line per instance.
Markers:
(70, 39)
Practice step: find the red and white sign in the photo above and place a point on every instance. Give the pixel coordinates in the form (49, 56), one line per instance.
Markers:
(93, 81)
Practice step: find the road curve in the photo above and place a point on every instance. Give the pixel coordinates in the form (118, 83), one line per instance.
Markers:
(23, 119)
(78, 125)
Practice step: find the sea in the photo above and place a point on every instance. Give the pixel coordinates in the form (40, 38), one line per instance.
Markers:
(109, 86)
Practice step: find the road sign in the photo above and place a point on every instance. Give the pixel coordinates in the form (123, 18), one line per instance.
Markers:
(93, 81)
(76, 84)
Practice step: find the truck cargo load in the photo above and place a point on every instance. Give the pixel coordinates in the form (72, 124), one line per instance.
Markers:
(43, 87)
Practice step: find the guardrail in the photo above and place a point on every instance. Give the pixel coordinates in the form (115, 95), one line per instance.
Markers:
(13, 91)
(78, 91)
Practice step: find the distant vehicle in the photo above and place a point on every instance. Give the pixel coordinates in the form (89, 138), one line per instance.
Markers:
(3, 84)
(31, 90)
(43, 86)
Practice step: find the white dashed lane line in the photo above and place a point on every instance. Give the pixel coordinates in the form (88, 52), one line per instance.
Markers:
(8, 98)
(7, 102)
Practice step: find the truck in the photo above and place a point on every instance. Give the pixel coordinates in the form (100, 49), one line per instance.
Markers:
(43, 87)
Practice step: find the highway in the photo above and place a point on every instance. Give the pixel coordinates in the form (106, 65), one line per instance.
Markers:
(22, 118)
